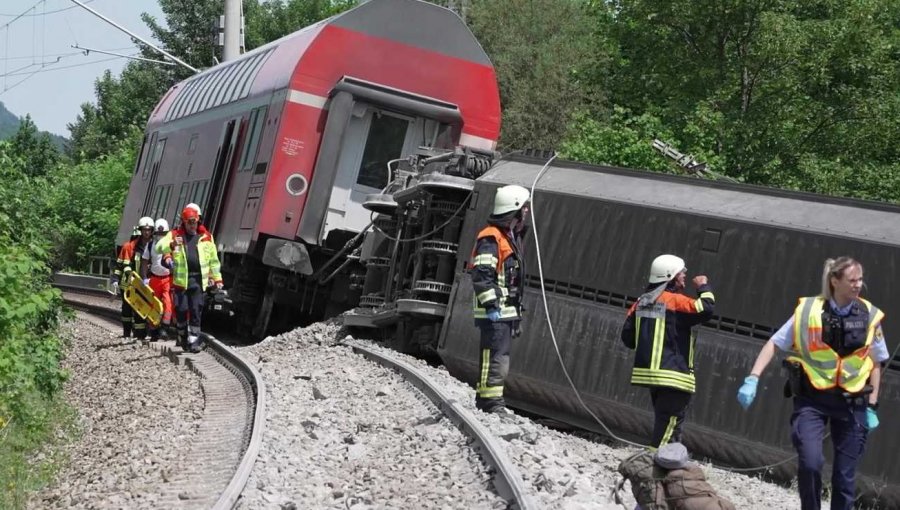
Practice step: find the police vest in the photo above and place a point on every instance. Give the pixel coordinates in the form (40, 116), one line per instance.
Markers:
(822, 365)
(505, 251)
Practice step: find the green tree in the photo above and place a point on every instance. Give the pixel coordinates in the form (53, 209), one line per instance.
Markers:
(121, 109)
(274, 19)
(542, 51)
(768, 85)
(35, 150)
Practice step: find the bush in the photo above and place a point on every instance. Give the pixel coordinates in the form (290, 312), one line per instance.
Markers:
(30, 348)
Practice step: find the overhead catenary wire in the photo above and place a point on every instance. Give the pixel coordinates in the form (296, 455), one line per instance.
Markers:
(45, 13)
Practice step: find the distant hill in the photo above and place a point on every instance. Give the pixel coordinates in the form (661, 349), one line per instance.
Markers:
(9, 124)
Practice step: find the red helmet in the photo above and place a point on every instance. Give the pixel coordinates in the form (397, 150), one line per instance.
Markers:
(189, 213)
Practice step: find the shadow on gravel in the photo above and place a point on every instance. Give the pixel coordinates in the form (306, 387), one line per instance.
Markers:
(103, 347)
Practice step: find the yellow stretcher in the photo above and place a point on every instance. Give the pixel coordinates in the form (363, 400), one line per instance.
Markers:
(144, 301)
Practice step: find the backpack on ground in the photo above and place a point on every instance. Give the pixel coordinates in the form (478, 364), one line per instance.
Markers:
(665, 480)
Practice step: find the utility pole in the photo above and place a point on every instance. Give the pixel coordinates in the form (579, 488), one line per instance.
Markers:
(232, 47)
(135, 36)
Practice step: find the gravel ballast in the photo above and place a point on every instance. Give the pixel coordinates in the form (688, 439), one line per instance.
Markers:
(343, 432)
(137, 414)
(322, 449)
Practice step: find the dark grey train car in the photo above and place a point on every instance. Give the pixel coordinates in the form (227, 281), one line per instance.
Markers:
(599, 229)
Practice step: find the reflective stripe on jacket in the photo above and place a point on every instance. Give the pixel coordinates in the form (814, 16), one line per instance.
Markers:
(129, 260)
(494, 259)
(206, 250)
(660, 333)
(824, 368)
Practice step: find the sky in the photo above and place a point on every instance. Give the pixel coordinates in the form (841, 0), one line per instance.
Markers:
(54, 93)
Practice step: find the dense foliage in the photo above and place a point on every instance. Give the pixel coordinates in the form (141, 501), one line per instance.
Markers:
(30, 349)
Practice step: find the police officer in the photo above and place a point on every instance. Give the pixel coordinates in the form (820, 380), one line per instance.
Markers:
(498, 280)
(128, 266)
(195, 267)
(658, 328)
(836, 350)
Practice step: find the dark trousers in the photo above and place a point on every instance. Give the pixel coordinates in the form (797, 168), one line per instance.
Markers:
(493, 363)
(848, 436)
(669, 408)
(131, 321)
(188, 310)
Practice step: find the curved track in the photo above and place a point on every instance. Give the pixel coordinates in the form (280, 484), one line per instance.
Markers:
(228, 441)
(508, 481)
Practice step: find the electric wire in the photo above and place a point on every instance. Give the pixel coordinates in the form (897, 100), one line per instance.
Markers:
(562, 364)
(43, 13)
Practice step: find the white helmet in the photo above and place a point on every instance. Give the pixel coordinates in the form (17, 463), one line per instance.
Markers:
(509, 198)
(665, 267)
(145, 222)
(194, 207)
(162, 225)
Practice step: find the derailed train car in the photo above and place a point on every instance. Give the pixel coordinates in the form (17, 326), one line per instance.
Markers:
(281, 146)
(599, 229)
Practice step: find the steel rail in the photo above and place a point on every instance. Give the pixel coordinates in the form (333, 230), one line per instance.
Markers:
(508, 482)
(226, 356)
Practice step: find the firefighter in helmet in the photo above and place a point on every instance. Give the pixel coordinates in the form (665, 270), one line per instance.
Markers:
(156, 270)
(498, 280)
(836, 351)
(658, 326)
(128, 266)
(195, 266)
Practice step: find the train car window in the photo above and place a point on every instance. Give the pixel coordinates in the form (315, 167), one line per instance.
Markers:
(198, 192)
(154, 163)
(257, 122)
(192, 145)
(148, 153)
(387, 134)
(182, 201)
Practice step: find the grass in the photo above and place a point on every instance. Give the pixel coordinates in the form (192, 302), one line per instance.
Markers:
(31, 456)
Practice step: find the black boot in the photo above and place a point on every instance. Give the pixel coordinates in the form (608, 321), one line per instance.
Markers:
(126, 331)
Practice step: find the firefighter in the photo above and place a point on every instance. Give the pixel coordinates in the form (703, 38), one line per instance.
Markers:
(128, 266)
(195, 267)
(658, 326)
(156, 270)
(836, 354)
(498, 281)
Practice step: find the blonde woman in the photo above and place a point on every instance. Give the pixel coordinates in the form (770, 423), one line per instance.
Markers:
(835, 349)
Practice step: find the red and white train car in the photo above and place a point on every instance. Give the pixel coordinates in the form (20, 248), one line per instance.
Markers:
(281, 146)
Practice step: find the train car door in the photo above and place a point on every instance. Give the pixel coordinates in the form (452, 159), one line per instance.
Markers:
(373, 138)
(221, 172)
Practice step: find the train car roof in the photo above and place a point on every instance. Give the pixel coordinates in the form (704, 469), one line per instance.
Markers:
(276, 65)
(860, 219)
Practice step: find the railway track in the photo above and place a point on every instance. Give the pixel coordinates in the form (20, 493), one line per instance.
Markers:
(228, 441)
(508, 481)
(226, 413)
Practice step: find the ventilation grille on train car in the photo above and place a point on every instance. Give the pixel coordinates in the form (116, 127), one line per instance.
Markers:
(605, 297)
(222, 85)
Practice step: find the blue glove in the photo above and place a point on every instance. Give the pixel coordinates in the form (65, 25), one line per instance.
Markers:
(493, 315)
(871, 419)
(146, 281)
(747, 392)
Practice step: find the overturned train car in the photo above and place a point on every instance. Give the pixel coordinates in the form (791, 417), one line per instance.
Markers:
(599, 229)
